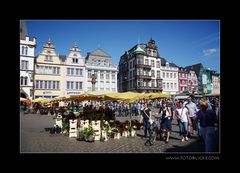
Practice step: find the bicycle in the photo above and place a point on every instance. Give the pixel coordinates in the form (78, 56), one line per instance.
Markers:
(154, 131)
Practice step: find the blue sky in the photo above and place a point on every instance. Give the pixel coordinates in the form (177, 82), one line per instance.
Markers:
(183, 42)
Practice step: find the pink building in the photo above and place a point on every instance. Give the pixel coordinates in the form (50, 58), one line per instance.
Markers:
(182, 79)
(192, 82)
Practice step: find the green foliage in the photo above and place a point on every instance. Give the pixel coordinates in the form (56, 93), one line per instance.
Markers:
(65, 126)
(106, 126)
(89, 131)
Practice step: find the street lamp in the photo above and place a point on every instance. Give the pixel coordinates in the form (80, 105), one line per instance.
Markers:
(94, 77)
(31, 77)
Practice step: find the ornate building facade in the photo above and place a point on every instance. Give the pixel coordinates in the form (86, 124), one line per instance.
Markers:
(139, 69)
(49, 72)
(74, 70)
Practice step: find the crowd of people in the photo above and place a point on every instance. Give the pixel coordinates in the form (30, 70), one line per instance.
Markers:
(194, 115)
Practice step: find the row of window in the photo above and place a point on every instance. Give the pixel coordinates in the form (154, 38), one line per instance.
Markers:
(151, 52)
(152, 83)
(41, 84)
(47, 70)
(144, 72)
(24, 50)
(169, 85)
(74, 71)
(140, 61)
(23, 80)
(187, 89)
(101, 89)
(187, 75)
(49, 58)
(74, 85)
(169, 75)
(102, 82)
(102, 75)
(100, 62)
(185, 82)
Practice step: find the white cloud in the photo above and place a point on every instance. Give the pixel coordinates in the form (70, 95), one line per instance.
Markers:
(208, 52)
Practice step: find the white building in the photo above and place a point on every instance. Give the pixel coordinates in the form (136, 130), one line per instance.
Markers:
(100, 63)
(169, 73)
(27, 47)
(74, 73)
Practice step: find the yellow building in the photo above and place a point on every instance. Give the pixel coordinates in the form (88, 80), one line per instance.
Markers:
(49, 74)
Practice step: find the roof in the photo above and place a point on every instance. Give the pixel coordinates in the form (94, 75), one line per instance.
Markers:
(99, 52)
(195, 67)
(172, 65)
(163, 61)
(139, 49)
(63, 57)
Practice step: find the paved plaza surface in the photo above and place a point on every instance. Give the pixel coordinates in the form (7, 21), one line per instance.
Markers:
(35, 139)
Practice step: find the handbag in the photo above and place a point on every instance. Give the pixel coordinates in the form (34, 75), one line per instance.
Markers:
(149, 119)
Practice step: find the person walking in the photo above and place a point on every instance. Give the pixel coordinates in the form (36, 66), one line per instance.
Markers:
(192, 110)
(182, 115)
(166, 124)
(146, 114)
(207, 119)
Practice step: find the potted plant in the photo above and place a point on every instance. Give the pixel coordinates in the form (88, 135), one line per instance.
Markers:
(106, 129)
(65, 128)
(88, 133)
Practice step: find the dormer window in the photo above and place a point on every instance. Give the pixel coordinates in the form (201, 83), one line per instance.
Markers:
(74, 54)
(48, 58)
(167, 64)
(75, 60)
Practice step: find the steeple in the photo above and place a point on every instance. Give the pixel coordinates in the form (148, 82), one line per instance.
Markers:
(75, 48)
(48, 44)
(151, 44)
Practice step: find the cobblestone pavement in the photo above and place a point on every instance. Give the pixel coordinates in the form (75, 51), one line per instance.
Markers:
(35, 139)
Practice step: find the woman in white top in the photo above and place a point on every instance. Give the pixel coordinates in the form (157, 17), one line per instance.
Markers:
(182, 115)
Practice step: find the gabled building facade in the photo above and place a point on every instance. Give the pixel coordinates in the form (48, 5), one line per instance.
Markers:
(100, 64)
(49, 73)
(74, 72)
(192, 82)
(183, 80)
